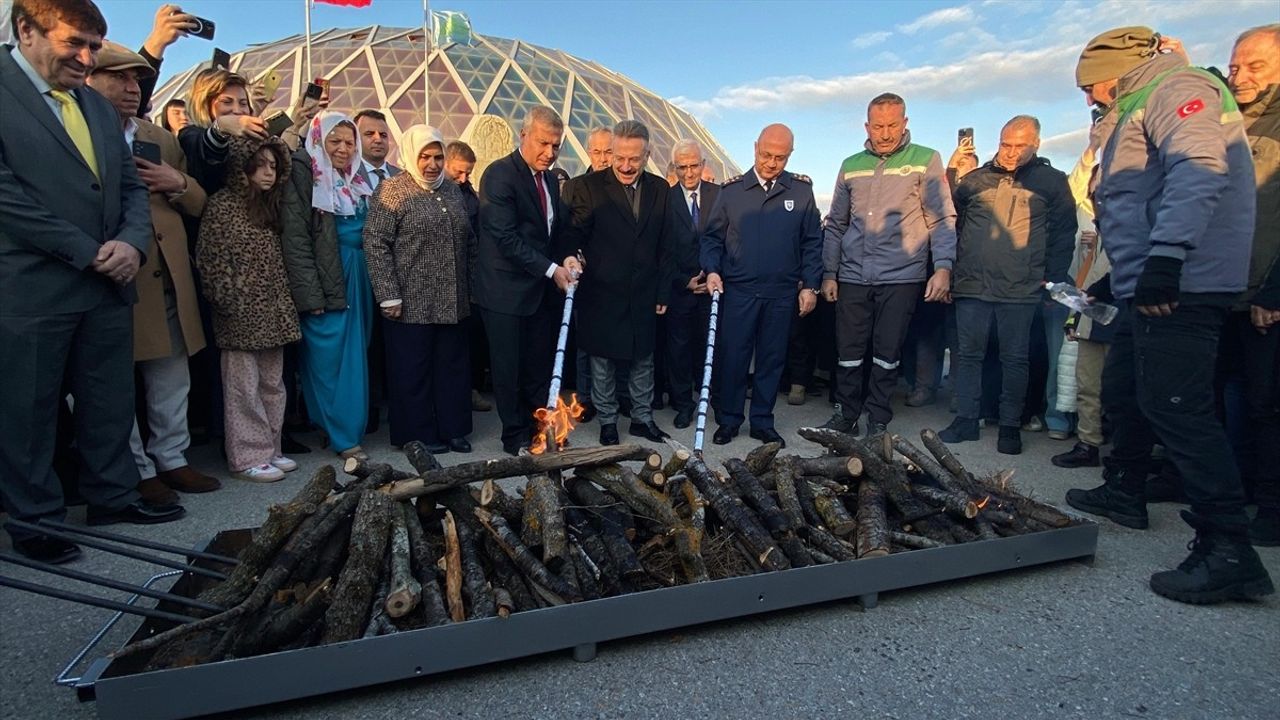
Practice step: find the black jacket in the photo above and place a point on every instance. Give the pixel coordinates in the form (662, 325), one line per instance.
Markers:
(627, 264)
(687, 237)
(1016, 229)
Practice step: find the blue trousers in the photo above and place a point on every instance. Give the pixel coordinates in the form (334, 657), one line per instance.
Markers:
(974, 321)
(751, 326)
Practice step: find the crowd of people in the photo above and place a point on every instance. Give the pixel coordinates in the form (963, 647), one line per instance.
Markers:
(244, 278)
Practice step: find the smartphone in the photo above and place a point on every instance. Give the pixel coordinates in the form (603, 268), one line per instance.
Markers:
(271, 83)
(204, 28)
(314, 91)
(965, 134)
(278, 122)
(221, 59)
(148, 151)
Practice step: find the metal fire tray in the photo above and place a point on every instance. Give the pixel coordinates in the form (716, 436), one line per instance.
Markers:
(123, 692)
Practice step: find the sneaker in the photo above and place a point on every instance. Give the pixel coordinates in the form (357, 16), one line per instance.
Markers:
(264, 473)
(1220, 567)
(840, 423)
(1059, 434)
(796, 396)
(1010, 440)
(284, 463)
(960, 430)
(1035, 424)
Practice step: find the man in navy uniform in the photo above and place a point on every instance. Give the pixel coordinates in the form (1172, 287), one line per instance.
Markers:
(762, 249)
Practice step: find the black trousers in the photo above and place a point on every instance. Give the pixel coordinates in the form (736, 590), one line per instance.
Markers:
(479, 349)
(1255, 359)
(521, 353)
(686, 321)
(751, 327)
(1012, 321)
(428, 382)
(93, 352)
(1157, 385)
(925, 344)
(875, 318)
(811, 345)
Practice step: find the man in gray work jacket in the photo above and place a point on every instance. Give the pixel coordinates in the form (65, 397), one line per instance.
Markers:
(1175, 205)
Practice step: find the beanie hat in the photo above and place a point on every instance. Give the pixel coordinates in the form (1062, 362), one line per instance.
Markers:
(1114, 53)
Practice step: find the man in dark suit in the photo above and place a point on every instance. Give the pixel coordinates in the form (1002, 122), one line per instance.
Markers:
(691, 201)
(520, 219)
(622, 226)
(74, 224)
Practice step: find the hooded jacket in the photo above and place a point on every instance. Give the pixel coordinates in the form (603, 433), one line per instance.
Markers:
(888, 212)
(1016, 229)
(1262, 118)
(1176, 180)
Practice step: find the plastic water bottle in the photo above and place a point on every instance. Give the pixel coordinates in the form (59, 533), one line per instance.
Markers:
(1074, 298)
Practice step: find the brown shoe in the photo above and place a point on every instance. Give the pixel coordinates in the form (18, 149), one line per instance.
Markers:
(186, 479)
(154, 492)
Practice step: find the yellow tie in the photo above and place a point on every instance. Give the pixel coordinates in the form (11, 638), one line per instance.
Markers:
(76, 127)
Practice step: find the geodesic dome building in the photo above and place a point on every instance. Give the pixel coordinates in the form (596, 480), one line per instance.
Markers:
(382, 67)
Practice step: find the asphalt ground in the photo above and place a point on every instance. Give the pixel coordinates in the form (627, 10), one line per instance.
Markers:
(1067, 640)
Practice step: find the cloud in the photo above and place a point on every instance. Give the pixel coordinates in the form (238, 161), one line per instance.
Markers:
(871, 39)
(945, 16)
(1069, 143)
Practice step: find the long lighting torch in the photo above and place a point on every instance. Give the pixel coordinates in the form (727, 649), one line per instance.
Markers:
(704, 398)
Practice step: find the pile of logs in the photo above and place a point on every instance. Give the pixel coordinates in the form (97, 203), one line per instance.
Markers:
(395, 550)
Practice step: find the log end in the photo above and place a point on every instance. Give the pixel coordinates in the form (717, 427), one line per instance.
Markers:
(874, 553)
(854, 467)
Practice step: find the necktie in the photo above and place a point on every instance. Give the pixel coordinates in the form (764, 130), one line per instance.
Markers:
(768, 185)
(382, 174)
(693, 209)
(542, 194)
(74, 123)
(631, 198)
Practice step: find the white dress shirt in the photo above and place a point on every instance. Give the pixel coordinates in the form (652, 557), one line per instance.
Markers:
(42, 86)
(374, 180)
(551, 209)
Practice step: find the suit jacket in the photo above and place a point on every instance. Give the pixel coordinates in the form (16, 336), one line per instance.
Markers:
(628, 263)
(54, 213)
(514, 248)
(392, 171)
(687, 238)
(167, 253)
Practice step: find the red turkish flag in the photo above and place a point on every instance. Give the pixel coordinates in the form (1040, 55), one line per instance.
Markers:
(1191, 108)
(347, 3)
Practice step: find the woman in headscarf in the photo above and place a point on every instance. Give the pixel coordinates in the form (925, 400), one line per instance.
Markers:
(420, 245)
(325, 209)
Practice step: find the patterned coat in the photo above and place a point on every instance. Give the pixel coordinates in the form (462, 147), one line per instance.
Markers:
(420, 248)
(242, 267)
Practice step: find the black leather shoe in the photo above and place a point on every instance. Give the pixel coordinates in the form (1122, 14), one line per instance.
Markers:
(1082, 455)
(436, 448)
(460, 445)
(609, 434)
(513, 447)
(45, 549)
(724, 435)
(768, 435)
(684, 418)
(649, 431)
(588, 412)
(137, 513)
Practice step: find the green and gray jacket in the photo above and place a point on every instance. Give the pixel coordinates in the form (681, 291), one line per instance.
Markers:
(887, 214)
(310, 244)
(1176, 180)
(1262, 118)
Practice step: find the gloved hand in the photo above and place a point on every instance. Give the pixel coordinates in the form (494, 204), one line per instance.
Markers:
(1101, 290)
(1158, 284)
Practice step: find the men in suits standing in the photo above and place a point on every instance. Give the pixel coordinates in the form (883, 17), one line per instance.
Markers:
(375, 143)
(763, 249)
(622, 226)
(74, 224)
(691, 201)
(520, 220)
(166, 319)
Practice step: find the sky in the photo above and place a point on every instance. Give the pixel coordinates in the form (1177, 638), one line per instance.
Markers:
(738, 66)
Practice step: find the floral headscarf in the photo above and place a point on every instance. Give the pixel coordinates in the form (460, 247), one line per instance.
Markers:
(334, 191)
(411, 144)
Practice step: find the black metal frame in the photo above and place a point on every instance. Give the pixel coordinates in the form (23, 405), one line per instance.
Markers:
(123, 692)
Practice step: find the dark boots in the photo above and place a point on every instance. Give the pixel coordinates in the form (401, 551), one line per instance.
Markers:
(1010, 440)
(1082, 455)
(1222, 566)
(1121, 497)
(960, 430)
(1264, 531)
(1166, 486)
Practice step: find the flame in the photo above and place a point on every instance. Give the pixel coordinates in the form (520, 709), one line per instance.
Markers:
(984, 502)
(556, 423)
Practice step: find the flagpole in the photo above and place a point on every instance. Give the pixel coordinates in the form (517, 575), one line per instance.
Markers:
(426, 63)
(307, 4)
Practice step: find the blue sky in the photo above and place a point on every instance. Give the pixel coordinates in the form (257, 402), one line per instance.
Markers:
(738, 66)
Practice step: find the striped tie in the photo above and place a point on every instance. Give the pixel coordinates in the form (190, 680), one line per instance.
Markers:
(75, 125)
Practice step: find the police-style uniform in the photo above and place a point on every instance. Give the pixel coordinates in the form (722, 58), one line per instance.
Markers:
(766, 244)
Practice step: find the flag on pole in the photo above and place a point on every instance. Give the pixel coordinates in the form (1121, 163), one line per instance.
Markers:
(450, 27)
(347, 3)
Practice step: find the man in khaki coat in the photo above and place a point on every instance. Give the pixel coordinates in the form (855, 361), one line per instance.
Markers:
(166, 319)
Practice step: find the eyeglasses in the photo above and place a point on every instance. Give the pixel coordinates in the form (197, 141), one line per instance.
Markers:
(686, 168)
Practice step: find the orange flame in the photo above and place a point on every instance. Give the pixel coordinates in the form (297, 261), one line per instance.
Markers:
(556, 423)
(984, 502)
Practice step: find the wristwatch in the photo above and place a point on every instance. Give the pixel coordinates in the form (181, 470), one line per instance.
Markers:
(812, 290)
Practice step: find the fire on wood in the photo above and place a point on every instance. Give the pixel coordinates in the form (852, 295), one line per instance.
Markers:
(395, 549)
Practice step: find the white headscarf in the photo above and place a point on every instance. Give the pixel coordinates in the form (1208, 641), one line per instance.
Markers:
(412, 141)
(334, 191)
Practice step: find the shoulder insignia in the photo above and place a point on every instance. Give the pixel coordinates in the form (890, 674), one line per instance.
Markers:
(803, 178)
(732, 180)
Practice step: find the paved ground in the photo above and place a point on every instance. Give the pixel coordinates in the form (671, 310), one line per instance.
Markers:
(1063, 641)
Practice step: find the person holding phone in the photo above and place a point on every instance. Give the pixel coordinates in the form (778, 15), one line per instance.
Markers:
(166, 318)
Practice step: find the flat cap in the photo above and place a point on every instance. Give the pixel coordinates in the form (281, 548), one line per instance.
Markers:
(115, 56)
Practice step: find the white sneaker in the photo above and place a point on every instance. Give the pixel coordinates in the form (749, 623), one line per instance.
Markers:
(263, 473)
(284, 463)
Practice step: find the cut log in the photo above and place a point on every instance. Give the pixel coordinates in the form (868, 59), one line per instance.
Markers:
(830, 544)
(520, 555)
(531, 517)
(542, 495)
(362, 469)
(586, 537)
(452, 563)
(405, 591)
(348, 611)
(675, 464)
(833, 467)
(507, 578)
(735, 516)
(476, 593)
(985, 531)
(424, 569)
(506, 605)
(281, 522)
(437, 481)
(957, 506)
(416, 452)
(771, 516)
(607, 514)
(760, 459)
(914, 541)
(805, 492)
(493, 498)
(586, 572)
(785, 474)
(872, 526)
(651, 472)
(928, 465)
(833, 513)
(378, 610)
(943, 455)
